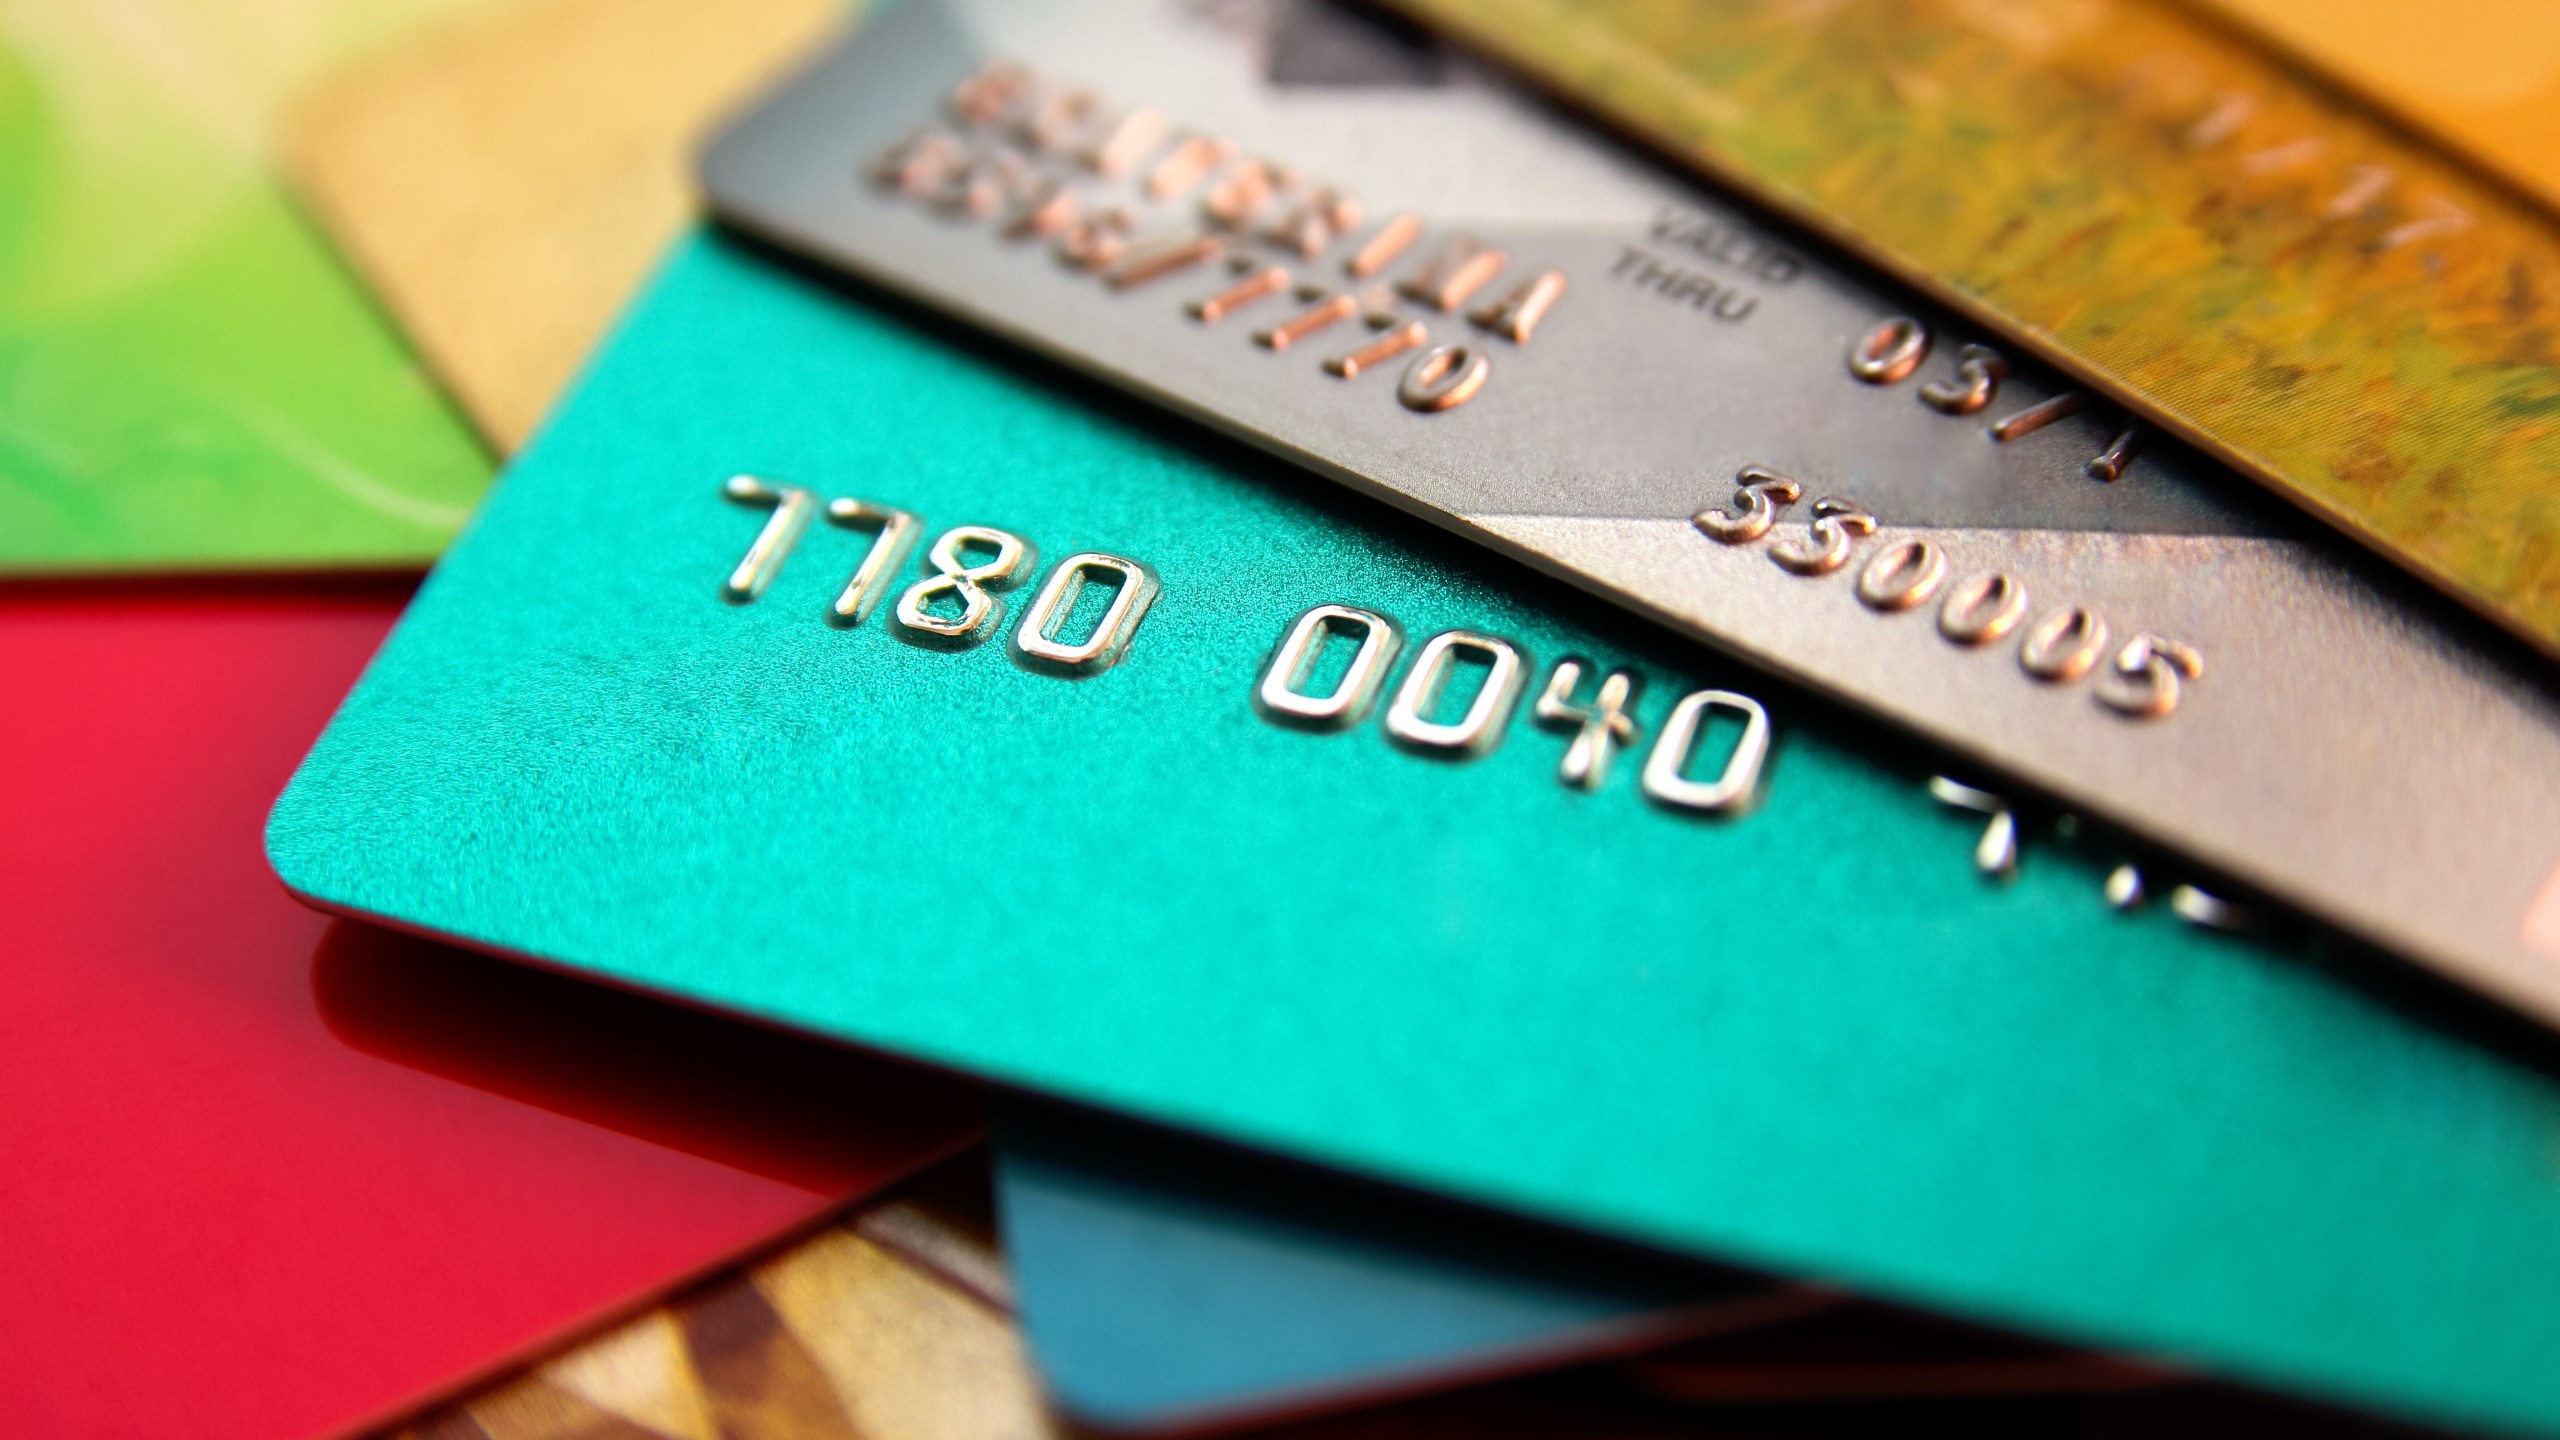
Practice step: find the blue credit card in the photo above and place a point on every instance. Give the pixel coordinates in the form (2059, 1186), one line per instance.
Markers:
(679, 713)
(1166, 1284)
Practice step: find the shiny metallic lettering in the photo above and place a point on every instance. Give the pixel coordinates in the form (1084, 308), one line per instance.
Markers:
(1035, 640)
(2207, 910)
(1902, 576)
(2036, 417)
(971, 584)
(1157, 259)
(1330, 311)
(1996, 853)
(1243, 191)
(2110, 464)
(916, 164)
(1758, 493)
(2144, 678)
(1889, 353)
(1310, 226)
(1125, 143)
(1458, 269)
(2123, 888)
(998, 86)
(792, 507)
(1837, 524)
(1386, 347)
(2063, 645)
(1443, 378)
(1481, 727)
(1260, 285)
(1599, 727)
(1381, 249)
(1732, 789)
(1979, 371)
(1983, 608)
(897, 529)
(1186, 165)
(1515, 316)
(1093, 239)
(1347, 704)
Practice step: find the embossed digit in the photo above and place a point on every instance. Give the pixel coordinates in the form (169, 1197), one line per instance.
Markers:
(1983, 608)
(1516, 316)
(2207, 910)
(1979, 371)
(1036, 641)
(791, 505)
(1478, 730)
(1758, 493)
(918, 162)
(1598, 728)
(1889, 353)
(1458, 269)
(2144, 679)
(889, 550)
(1731, 790)
(1443, 378)
(982, 183)
(971, 585)
(1094, 239)
(2064, 644)
(1902, 576)
(990, 94)
(1279, 697)
(1837, 524)
(1996, 853)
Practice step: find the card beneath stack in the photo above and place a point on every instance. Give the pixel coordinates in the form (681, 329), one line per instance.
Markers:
(676, 713)
(1167, 1286)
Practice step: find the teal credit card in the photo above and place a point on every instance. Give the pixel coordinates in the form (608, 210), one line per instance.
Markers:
(1783, 1021)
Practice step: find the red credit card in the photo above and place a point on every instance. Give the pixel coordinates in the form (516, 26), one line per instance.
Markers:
(267, 1175)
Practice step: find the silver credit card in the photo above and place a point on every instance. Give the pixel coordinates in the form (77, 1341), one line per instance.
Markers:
(1359, 253)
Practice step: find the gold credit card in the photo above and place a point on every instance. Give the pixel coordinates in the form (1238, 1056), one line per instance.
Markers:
(894, 1323)
(2483, 75)
(505, 188)
(2166, 210)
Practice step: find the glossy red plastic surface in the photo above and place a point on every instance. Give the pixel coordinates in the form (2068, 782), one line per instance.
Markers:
(265, 1175)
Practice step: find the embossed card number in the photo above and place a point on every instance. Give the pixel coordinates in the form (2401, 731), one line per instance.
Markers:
(1458, 694)
(2145, 678)
(956, 604)
(1300, 689)
(1600, 725)
(1046, 162)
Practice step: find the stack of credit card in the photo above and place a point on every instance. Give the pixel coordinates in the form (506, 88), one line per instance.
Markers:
(1299, 718)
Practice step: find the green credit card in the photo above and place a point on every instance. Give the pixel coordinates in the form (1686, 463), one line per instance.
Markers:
(1784, 1020)
(191, 382)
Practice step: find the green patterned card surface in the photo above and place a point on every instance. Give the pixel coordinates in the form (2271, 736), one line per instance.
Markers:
(1805, 1034)
(188, 379)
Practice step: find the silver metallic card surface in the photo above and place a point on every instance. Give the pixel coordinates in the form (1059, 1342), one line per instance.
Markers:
(1364, 257)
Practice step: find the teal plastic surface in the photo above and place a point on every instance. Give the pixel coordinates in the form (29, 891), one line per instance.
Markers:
(1811, 1039)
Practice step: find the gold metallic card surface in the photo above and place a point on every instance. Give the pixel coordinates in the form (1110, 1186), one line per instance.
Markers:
(2175, 216)
(2483, 75)
(505, 187)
